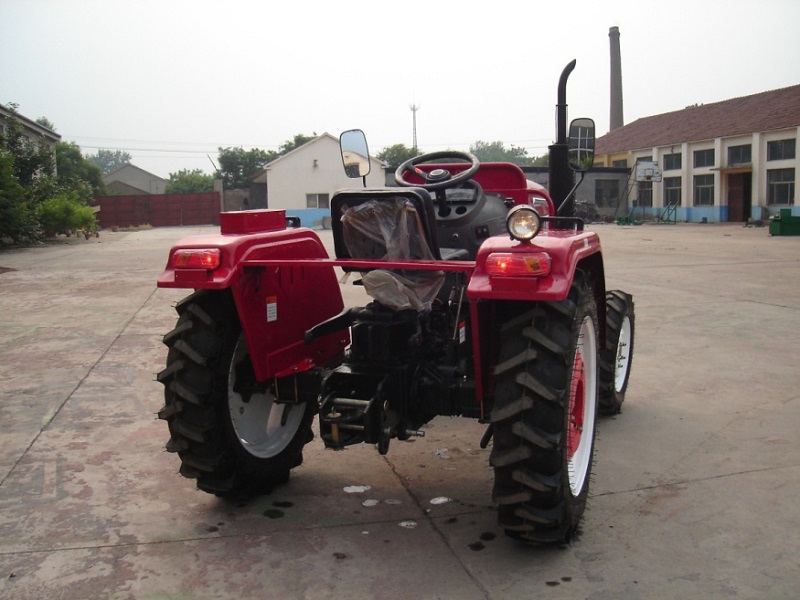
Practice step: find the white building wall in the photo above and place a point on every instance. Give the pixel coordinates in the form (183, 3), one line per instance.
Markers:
(721, 170)
(315, 168)
(759, 153)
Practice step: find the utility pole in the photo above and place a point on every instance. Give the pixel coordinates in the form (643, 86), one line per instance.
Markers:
(414, 109)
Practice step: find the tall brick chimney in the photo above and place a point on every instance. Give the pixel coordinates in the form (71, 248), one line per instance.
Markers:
(615, 117)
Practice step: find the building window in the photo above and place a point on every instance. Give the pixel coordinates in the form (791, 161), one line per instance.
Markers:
(739, 155)
(673, 162)
(317, 201)
(672, 191)
(620, 163)
(781, 149)
(704, 158)
(704, 190)
(606, 192)
(780, 186)
(645, 193)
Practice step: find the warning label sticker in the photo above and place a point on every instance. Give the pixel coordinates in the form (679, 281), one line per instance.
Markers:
(272, 309)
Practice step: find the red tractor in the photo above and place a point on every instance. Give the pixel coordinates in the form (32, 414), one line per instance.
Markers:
(488, 302)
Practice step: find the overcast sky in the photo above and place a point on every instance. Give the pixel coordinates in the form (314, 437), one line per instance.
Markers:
(170, 81)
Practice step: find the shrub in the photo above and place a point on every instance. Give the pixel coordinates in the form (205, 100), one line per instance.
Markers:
(17, 222)
(65, 212)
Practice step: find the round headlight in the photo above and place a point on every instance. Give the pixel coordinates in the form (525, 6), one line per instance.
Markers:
(523, 223)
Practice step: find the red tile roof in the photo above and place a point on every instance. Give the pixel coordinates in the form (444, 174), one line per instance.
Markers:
(749, 114)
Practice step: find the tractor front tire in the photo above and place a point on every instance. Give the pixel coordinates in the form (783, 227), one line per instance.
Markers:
(544, 415)
(617, 356)
(231, 435)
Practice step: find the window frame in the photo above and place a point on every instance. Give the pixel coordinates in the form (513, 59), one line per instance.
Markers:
(669, 190)
(747, 157)
(316, 198)
(775, 187)
(644, 193)
(782, 147)
(673, 161)
(704, 154)
(701, 189)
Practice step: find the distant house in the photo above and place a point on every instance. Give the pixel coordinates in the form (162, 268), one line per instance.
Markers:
(727, 161)
(30, 129)
(302, 181)
(130, 180)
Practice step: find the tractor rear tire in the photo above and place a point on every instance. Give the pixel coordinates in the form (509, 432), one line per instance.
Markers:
(544, 415)
(617, 356)
(230, 434)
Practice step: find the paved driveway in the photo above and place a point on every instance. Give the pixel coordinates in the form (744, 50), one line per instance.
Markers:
(694, 493)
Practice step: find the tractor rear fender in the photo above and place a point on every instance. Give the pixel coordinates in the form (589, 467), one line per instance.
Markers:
(553, 257)
(276, 304)
(564, 251)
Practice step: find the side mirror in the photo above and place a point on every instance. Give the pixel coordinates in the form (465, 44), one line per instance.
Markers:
(355, 154)
(580, 144)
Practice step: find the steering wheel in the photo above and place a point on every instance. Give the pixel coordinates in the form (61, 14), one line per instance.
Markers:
(437, 179)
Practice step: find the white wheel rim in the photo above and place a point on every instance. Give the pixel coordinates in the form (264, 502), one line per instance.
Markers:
(258, 423)
(579, 464)
(623, 355)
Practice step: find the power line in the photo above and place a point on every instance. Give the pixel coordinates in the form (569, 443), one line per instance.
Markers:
(131, 144)
(203, 148)
(131, 149)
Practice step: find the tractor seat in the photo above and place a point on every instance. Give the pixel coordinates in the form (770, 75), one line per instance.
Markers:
(395, 224)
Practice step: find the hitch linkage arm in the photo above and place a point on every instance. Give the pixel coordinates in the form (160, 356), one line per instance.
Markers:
(341, 321)
(344, 320)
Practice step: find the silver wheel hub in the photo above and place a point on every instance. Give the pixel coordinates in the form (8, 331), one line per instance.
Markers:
(264, 427)
(623, 355)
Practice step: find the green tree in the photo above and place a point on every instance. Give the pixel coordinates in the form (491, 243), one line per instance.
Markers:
(398, 154)
(298, 141)
(26, 179)
(17, 222)
(237, 165)
(109, 160)
(190, 182)
(78, 173)
(45, 122)
(541, 161)
(497, 152)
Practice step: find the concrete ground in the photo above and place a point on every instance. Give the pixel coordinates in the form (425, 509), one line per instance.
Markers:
(694, 494)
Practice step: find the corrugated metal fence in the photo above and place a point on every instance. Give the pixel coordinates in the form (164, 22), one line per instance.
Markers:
(159, 210)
